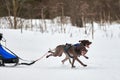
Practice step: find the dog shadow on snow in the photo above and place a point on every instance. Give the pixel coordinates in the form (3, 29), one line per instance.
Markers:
(67, 67)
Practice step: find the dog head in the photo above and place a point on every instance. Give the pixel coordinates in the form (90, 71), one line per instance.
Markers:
(86, 43)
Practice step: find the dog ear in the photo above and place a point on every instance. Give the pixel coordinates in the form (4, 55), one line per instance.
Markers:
(81, 40)
(85, 42)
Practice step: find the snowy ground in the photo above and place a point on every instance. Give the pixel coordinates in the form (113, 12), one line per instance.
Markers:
(103, 62)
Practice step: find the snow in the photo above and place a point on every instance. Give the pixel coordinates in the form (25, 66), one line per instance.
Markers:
(103, 62)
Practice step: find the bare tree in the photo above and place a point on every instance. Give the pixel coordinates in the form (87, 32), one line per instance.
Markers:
(9, 12)
(13, 8)
(43, 16)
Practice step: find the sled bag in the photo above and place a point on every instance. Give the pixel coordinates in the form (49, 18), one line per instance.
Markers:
(5, 54)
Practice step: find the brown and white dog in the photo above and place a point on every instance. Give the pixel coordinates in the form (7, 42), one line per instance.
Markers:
(71, 51)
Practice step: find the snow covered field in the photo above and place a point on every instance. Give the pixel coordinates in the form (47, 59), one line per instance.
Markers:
(103, 62)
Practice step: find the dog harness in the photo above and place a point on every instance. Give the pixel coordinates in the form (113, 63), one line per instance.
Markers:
(66, 48)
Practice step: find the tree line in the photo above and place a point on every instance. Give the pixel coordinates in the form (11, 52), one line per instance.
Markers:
(79, 11)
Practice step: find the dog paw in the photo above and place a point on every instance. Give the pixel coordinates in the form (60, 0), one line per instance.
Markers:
(73, 66)
(49, 51)
(47, 56)
(62, 62)
(85, 65)
(87, 57)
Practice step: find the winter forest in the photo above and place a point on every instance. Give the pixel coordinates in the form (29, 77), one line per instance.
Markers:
(31, 29)
(80, 12)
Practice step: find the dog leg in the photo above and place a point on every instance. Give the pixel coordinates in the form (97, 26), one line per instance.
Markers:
(66, 58)
(80, 62)
(83, 54)
(86, 57)
(70, 61)
(49, 55)
(55, 54)
(73, 63)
